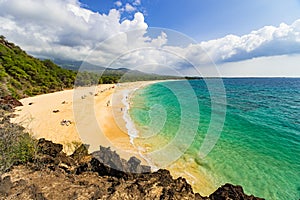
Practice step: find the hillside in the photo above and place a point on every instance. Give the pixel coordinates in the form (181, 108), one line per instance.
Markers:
(24, 160)
(110, 74)
(23, 75)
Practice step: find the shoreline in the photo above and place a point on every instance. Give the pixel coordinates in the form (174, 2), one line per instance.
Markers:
(92, 121)
(129, 123)
(200, 181)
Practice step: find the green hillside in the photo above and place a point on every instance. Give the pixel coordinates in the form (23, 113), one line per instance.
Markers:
(23, 75)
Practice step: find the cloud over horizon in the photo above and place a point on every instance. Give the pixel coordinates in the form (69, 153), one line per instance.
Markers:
(66, 30)
(267, 41)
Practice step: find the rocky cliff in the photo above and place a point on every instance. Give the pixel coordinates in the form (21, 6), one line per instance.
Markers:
(54, 175)
(40, 170)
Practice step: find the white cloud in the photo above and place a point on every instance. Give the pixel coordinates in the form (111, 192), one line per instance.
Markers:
(275, 66)
(267, 41)
(63, 29)
(129, 8)
(118, 3)
(137, 2)
(60, 27)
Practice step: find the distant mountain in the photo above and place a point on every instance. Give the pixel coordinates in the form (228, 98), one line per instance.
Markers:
(75, 65)
(122, 74)
(86, 66)
(22, 75)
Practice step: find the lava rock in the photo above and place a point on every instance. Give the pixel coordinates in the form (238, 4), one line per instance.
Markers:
(229, 191)
(48, 147)
(11, 101)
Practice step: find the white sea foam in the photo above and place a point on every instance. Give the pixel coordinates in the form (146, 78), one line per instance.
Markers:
(130, 126)
(131, 130)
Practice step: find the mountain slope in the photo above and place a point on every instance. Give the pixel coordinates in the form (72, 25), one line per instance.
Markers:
(120, 74)
(23, 75)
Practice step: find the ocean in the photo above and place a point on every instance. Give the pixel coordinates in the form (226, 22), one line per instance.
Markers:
(244, 131)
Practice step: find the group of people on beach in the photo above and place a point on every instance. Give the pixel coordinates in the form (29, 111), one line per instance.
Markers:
(68, 122)
(97, 93)
(112, 87)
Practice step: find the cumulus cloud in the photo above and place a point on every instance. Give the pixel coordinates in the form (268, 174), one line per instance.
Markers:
(64, 29)
(137, 2)
(118, 3)
(56, 27)
(129, 8)
(267, 41)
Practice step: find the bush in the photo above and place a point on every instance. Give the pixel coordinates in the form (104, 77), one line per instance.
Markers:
(16, 146)
(25, 148)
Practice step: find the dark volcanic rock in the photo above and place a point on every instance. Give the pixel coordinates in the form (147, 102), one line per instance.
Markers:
(10, 101)
(113, 160)
(75, 177)
(80, 152)
(49, 148)
(134, 164)
(229, 191)
(110, 158)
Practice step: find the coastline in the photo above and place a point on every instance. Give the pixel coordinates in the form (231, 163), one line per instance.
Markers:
(126, 93)
(197, 177)
(113, 128)
(43, 116)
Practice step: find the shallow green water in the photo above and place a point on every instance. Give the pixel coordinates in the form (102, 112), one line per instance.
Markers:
(259, 145)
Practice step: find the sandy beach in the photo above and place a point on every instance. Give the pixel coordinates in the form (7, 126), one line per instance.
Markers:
(88, 115)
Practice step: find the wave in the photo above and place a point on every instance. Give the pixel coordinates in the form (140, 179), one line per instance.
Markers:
(130, 126)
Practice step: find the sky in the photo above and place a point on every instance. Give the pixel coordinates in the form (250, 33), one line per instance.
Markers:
(182, 37)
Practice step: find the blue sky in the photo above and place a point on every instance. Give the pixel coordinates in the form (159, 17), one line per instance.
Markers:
(213, 37)
(209, 19)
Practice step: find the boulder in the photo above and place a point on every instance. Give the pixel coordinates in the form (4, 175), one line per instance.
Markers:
(229, 191)
(49, 148)
(9, 100)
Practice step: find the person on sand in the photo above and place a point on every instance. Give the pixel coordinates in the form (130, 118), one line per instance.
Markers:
(108, 103)
(65, 122)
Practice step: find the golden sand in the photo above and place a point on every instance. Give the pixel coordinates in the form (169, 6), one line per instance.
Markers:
(96, 123)
(93, 115)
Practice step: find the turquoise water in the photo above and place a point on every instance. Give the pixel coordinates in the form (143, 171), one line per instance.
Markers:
(259, 145)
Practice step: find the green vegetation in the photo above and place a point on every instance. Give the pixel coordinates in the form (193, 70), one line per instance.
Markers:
(22, 75)
(16, 146)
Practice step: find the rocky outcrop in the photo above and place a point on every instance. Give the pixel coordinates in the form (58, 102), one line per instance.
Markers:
(8, 103)
(113, 160)
(54, 175)
(46, 147)
(229, 191)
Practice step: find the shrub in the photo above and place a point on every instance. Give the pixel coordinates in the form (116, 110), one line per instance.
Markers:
(16, 146)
